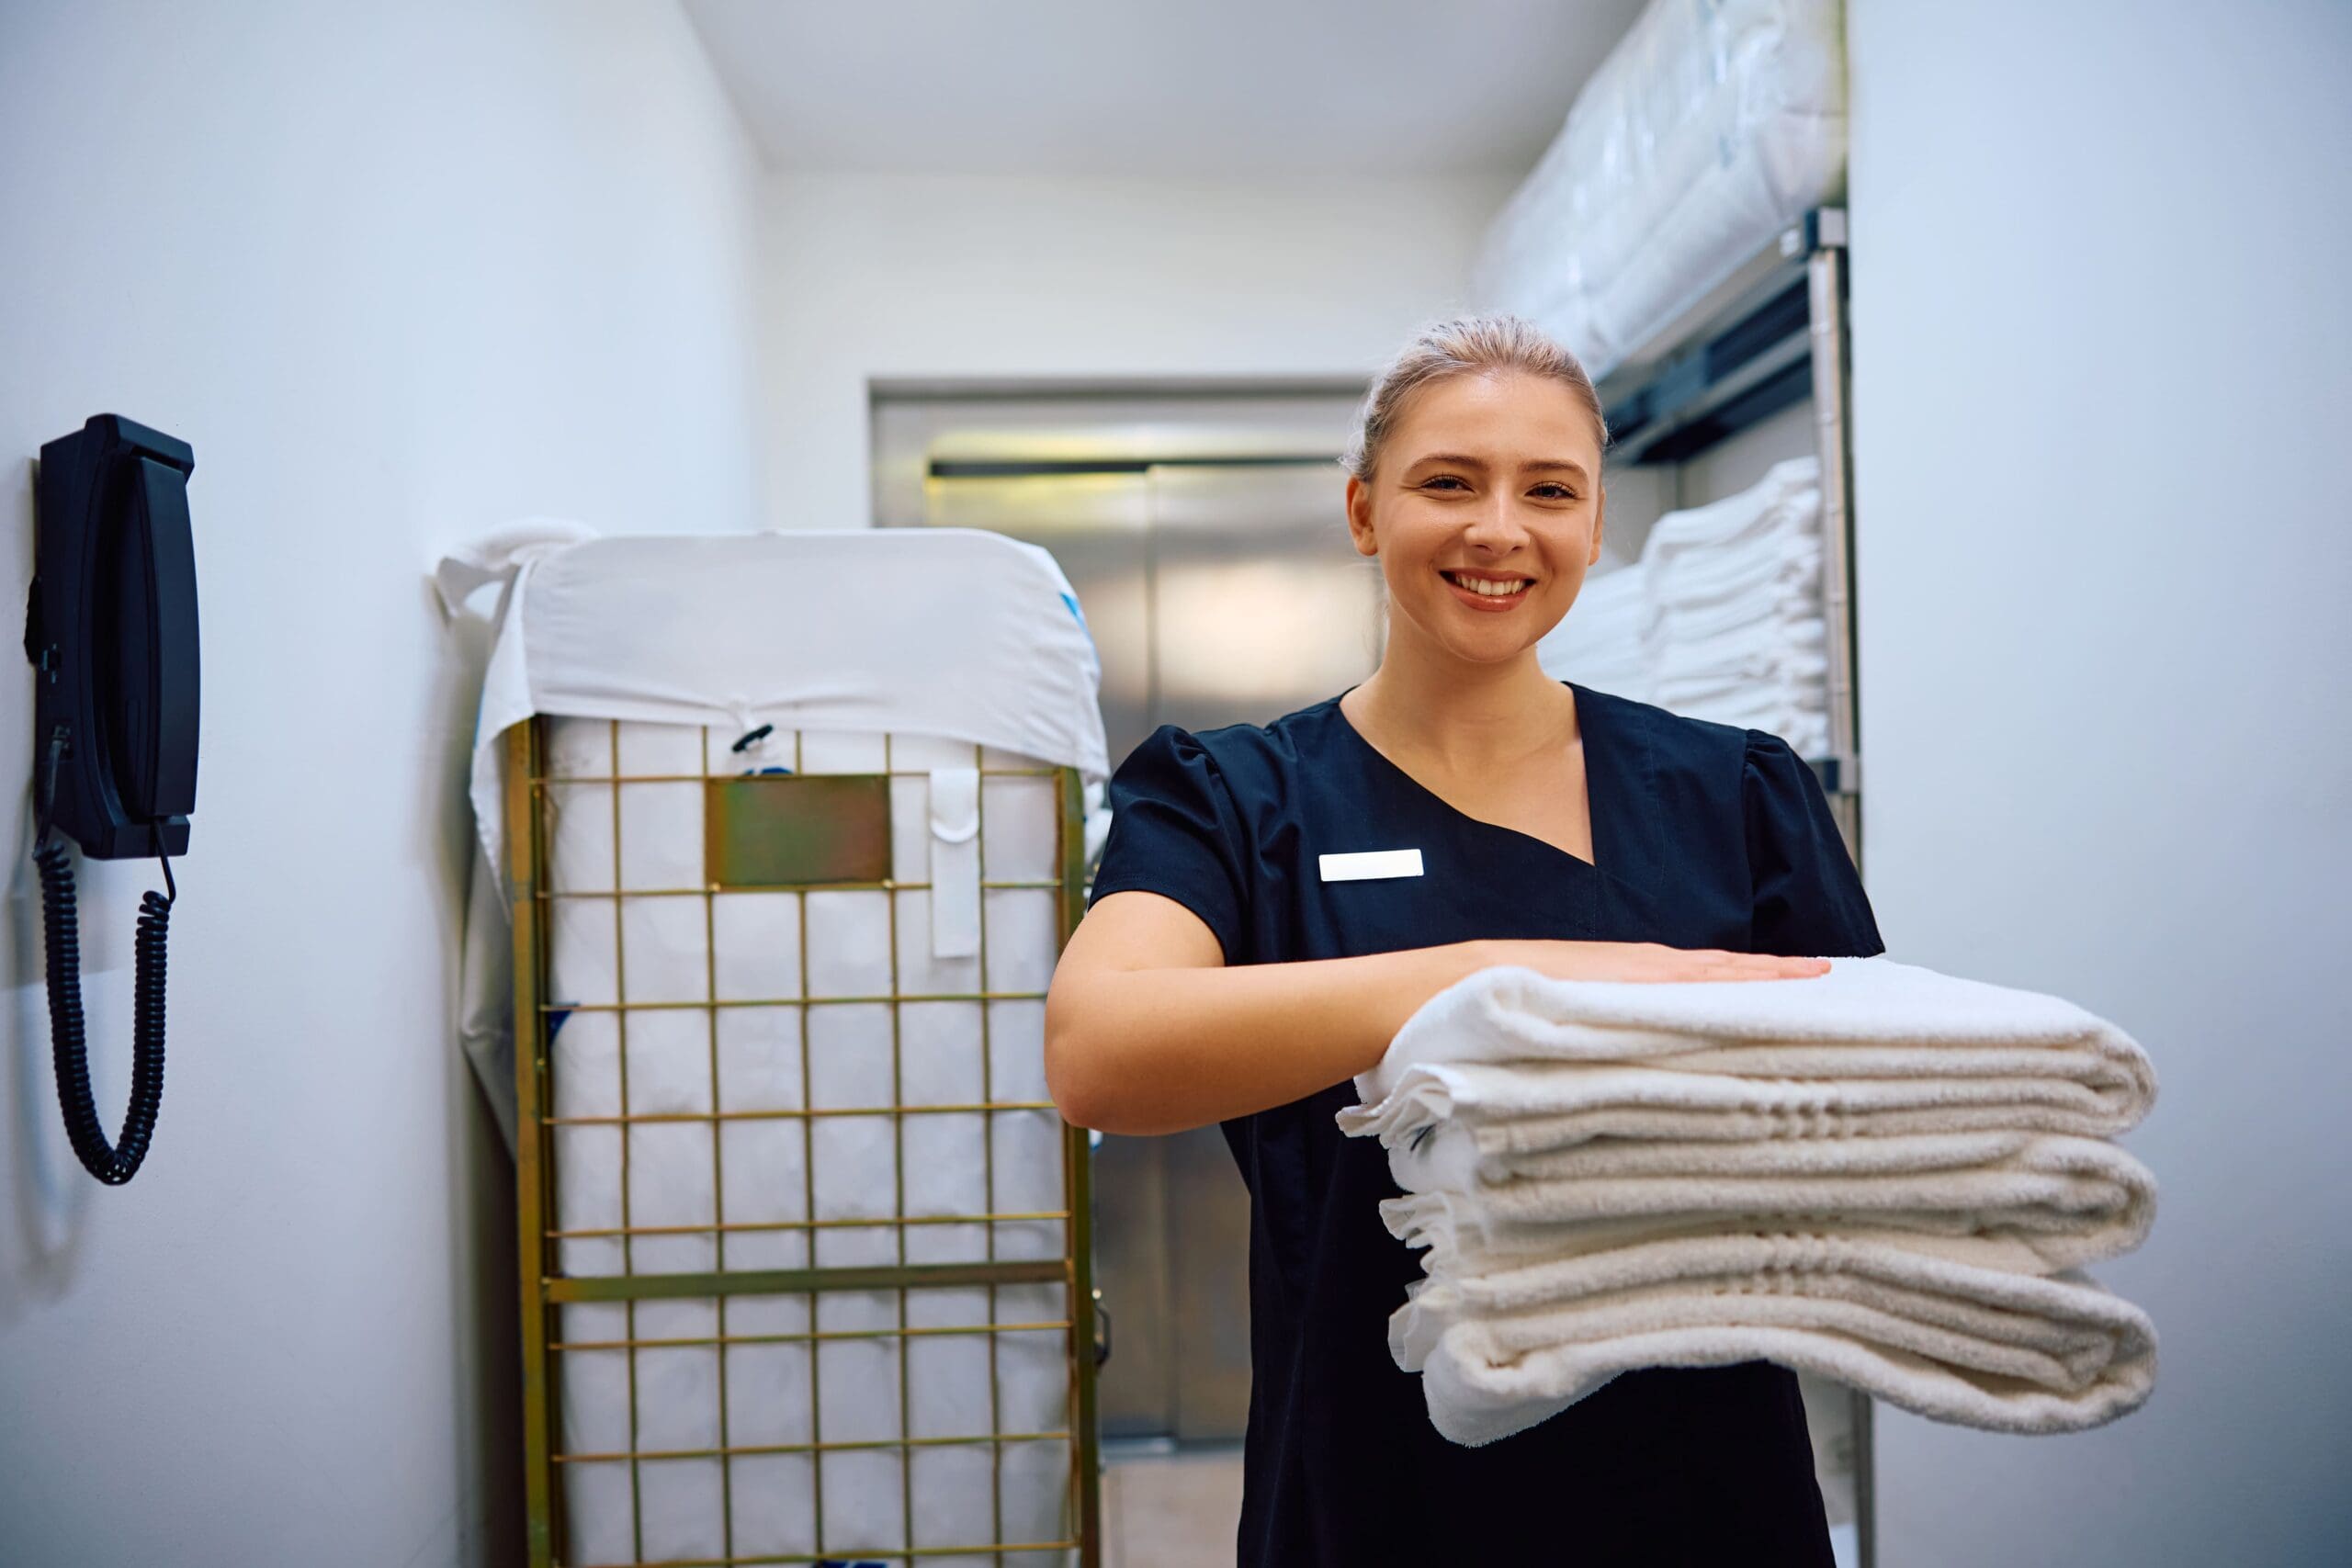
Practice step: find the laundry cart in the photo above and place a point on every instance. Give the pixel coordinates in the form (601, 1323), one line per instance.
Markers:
(804, 1250)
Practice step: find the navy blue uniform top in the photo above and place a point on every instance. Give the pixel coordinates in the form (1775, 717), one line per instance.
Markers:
(1704, 835)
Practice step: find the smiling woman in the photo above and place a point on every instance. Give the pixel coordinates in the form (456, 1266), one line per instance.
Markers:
(1273, 902)
(1476, 482)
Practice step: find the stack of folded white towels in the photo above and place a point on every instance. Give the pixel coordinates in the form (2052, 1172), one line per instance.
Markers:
(1722, 618)
(1884, 1175)
(1734, 597)
(1604, 640)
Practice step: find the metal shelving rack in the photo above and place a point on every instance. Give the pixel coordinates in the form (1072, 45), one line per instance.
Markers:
(1771, 334)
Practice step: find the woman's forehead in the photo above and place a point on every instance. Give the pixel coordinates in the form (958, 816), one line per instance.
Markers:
(1509, 415)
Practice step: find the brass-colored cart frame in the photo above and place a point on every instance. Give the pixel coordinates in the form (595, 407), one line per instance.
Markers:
(545, 1290)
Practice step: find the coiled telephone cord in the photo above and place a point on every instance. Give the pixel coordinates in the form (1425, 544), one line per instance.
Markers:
(113, 1164)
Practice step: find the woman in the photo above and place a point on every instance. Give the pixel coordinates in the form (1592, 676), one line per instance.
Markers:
(1222, 975)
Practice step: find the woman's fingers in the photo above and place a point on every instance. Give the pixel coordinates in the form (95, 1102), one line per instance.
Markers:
(1717, 964)
(1719, 958)
(1650, 961)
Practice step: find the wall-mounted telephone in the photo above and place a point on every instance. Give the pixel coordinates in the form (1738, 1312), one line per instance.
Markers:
(110, 628)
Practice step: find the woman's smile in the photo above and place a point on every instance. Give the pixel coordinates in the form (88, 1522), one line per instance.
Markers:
(1491, 592)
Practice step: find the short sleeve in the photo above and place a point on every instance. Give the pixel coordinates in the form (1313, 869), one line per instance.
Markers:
(1809, 901)
(1176, 831)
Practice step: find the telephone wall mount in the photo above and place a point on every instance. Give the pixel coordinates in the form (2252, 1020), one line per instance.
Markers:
(110, 630)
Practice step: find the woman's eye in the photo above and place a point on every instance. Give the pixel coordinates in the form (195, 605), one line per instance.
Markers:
(1555, 492)
(1443, 479)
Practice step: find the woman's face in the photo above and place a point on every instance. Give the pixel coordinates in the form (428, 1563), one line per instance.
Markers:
(1485, 510)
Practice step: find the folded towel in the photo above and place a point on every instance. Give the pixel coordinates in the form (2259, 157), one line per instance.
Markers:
(1784, 689)
(1720, 617)
(1774, 560)
(1619, 592)
(1760, 647)
(1772, 604)
(1882, 1173)
(1510, 1111)
(1789, 495)
(2070, 1200)
(1601, 642)
(1873, 1045)
(1786, 577)
(1939, 1334)
(1805, 727)
(1785, 699)
(1447, 1158)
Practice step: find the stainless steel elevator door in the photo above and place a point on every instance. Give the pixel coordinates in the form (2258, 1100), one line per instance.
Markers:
(1220, 586)
(1216, 593)
(1258, 603)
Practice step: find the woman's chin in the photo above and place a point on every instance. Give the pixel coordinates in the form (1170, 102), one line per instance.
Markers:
(1478, 636)
(1488, 638)
(1494, 648)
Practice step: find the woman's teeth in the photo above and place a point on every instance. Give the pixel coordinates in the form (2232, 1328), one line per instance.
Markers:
(1492, 587)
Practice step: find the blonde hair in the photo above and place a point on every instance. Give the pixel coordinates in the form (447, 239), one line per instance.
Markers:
(1454, 347)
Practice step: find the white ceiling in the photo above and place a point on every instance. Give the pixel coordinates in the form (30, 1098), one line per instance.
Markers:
(1199, 88)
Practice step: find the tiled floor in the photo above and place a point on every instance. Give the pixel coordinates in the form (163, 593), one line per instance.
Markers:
(1171, 1510)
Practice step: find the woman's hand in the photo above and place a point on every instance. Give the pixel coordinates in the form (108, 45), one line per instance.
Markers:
(1647, 961)
(1146, 1031)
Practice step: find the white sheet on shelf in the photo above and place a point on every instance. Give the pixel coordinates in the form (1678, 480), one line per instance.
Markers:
(1602, 642)
(1698, 541)
(1707, 130)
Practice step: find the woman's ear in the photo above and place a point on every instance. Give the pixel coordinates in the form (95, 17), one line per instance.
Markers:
(1360, 517)
(1599, 518)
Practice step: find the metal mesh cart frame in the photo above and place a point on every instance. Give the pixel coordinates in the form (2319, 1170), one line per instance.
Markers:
(545, 1290)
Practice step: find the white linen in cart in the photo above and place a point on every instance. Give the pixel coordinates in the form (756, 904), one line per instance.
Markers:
(779, 1394)
(980, 643)
(747, 947)
(672, 943)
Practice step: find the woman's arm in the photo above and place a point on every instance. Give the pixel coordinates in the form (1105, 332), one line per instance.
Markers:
(1147, 1030)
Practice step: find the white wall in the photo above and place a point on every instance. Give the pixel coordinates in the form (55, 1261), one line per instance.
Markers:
(397, 272)
(2103, 358)
(890, 276)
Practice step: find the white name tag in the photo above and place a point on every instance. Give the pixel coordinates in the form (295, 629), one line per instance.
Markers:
(1367, 864)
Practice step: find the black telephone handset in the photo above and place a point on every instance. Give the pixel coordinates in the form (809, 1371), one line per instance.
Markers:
(110, 628)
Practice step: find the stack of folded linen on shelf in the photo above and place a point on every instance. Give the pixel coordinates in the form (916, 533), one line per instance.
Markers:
(1884, 1175)
(1706, 131)
(1722, 617)
(1603, 641)
(1736, 630)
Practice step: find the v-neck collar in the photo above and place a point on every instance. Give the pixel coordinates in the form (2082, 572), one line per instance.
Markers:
(1600, 797)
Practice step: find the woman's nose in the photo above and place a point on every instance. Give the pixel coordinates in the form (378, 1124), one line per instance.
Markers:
(1495, 525)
